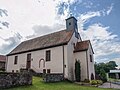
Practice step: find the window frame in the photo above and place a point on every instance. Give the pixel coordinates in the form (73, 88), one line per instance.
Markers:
(48, 55)
(15, 60)
(69, 23)
(44, 71)
(91, 59)
(48, 70)
(12, 71)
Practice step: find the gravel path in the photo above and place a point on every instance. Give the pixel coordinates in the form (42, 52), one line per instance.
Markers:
(108, 85)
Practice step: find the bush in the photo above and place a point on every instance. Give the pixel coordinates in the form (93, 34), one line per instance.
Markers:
(96, 82)
(93, 82)
(86, 80)
(99, 82)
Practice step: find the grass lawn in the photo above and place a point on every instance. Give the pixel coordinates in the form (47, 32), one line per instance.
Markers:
(39, 85)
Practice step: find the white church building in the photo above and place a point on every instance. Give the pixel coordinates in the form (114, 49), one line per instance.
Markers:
(55, 53)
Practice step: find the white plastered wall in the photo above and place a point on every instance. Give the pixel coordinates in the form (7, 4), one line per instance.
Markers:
(55, 65)
(81, 56)
(90, 64)
(70, 57)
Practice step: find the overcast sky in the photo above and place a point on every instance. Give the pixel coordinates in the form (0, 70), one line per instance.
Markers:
(98, 20)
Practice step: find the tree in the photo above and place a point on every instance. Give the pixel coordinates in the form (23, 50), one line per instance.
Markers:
(102, 68)
(77, 71)
(103, 75)
(111, 65)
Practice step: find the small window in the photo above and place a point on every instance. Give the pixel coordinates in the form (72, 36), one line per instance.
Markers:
(48, 70)
(17, 71)
(48, 55)
(74, 45)
(65, 66)
(13, 71)
(76, 25)
(16, 59)
(90, 58)
(44, 70)
(69, 23)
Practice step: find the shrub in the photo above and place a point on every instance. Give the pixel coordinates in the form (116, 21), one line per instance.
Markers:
(99, 82)
(96, 82)
(93, 82)
(86, 80)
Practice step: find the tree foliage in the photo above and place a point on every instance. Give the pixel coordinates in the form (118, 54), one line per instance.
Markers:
(103, 75)
(111, 65)
(102, 68)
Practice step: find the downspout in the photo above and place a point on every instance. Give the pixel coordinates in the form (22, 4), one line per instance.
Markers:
(87, 65)
(63, 61)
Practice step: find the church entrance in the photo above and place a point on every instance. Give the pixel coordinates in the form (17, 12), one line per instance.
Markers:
(28, 65)
(77, 71)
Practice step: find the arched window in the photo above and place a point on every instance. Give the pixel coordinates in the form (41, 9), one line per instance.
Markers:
(43, 62)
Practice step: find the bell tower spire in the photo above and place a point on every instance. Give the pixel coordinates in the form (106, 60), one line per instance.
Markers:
(71, 24)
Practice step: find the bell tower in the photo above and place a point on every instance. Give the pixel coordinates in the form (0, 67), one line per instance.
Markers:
(71, 24)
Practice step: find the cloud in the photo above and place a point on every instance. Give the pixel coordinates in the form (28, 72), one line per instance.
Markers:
(63, 7)
(3, 13)
(86, 16)
(109, 9)
(10, 43)
(117, 60)
(40, 30)
(88, 4)
(104, 42)
(6, 24)
(69, 2)
(89, 15)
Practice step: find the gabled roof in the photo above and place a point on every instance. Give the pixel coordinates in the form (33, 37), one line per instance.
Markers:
(2, 58)
(46, 41)
(82, 46)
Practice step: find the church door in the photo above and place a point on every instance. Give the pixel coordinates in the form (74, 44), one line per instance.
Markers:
(77, 71)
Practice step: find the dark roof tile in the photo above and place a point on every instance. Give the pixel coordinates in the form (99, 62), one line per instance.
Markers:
(53, 39)
(82, 46)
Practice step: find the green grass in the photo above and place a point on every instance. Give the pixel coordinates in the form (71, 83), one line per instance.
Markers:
(39, 85)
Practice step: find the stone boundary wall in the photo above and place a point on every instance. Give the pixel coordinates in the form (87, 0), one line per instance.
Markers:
(8, 80)
(53, 77)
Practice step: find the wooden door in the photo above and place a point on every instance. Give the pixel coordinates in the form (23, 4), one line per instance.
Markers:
(28, 66)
